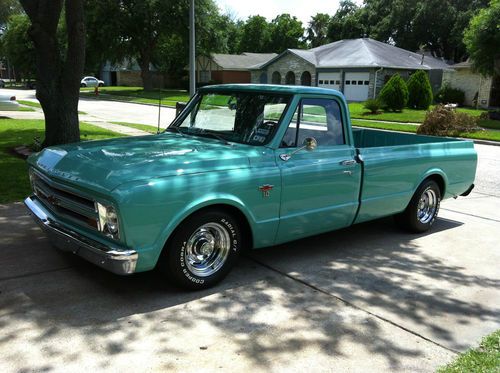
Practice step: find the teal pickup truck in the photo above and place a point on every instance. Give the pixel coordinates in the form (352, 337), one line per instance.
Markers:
(242, 166)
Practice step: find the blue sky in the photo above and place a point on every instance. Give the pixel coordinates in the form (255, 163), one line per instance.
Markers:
(301, 9)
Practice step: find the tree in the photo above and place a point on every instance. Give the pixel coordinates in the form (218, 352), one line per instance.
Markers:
(8, 8)
(394, 94)
(18, 47)
(317, 30)
(419, 91)
(347, 23)
(59, 67)
(286, 32)
(482, 39)
(255, 35)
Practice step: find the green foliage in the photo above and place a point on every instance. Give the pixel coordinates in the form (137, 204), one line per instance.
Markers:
(317, 30)
(419, 91)
(286, 32)
(348, 22)
(443, 121)
(449, 95)
(373, 105)
(482, 39)
(394, 94)
(18, 47)
(255, 35)
(485, 358)
(8, 8)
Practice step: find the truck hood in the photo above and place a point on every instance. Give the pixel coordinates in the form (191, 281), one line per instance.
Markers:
(106, 164)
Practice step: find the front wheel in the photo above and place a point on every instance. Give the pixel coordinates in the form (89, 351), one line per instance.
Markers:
(202, 251)
(423, 208)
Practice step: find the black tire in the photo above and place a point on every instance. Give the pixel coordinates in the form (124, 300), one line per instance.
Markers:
(174, 261)
(101, 84)
(410, 219)
(83, 85)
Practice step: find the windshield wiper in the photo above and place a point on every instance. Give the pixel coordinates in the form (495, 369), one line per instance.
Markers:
(219, 137)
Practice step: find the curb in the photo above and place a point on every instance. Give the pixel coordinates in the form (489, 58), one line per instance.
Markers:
(126, 102)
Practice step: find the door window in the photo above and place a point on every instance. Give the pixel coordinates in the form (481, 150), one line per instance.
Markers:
(319, 118)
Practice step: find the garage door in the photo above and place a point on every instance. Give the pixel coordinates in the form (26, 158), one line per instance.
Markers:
(356, 86)
(329, 80)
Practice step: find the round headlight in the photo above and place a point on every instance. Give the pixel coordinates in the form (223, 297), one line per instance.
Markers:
(111, 220)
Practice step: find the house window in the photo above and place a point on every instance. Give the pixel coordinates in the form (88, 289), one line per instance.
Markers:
(337, 82)
(332, 82)
(347, 82)
(320, 82)
(204, 76)
(360, 82)
(353, 82)
(367, 82)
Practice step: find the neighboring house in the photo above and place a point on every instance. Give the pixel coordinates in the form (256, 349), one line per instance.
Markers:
(479, 90)
(229, 68)
(357, 67)
(3, 71)
(128, 73)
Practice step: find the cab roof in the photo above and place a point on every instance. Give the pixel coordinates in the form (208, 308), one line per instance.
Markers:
(271, 88)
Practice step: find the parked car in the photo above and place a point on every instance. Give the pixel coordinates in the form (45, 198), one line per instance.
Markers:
(2, 83)
(242, 166)
(90, 81)
(8, 103)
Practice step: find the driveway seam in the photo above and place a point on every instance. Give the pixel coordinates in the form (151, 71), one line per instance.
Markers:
(475, 216)
(347, 303)
(35, 273)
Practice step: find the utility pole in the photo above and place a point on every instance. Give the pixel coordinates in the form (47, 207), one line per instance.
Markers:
(192, 48)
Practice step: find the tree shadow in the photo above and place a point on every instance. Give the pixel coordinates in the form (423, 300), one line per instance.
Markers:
(266, 316)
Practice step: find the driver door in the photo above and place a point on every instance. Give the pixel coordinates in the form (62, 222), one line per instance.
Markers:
(320, 188)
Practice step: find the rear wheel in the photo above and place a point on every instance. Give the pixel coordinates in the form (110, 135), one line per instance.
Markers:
(422, 209)
(202, 251)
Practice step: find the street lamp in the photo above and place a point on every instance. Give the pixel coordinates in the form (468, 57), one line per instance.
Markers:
(192, 56)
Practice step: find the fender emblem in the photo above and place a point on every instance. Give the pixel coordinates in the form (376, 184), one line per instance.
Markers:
(266, 189)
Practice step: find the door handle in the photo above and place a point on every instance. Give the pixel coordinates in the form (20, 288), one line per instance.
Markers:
(348, 162)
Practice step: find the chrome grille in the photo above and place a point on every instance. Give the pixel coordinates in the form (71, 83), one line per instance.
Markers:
(62, 202)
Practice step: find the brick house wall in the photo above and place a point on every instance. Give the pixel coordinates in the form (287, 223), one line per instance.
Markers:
(471, 84)
(230, 76)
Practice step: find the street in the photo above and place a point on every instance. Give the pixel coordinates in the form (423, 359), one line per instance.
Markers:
(366, 298)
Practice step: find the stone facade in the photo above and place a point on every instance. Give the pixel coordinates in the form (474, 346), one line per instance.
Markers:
(472, 84)
(283, 65)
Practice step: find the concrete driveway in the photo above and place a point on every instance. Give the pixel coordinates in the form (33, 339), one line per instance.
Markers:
(367, 298)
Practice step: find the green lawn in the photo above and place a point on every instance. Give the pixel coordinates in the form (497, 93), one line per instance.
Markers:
(14, 184)
(142, 127)
(491, 135)
(407, 115)
(485, 358)
(139, 95)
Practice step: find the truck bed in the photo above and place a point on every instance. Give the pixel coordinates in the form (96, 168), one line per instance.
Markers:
(395, 163)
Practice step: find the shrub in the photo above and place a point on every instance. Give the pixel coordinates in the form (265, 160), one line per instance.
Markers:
(373, 105)
(448, 95)
(394, 94)
(419, 91)
(443, 121)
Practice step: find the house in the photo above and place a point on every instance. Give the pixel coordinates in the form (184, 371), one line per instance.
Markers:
(479, 90)
(357, 67)
(128, 73)
(229, 68)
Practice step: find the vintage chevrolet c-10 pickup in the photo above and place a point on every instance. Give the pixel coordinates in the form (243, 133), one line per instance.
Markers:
(242, 166)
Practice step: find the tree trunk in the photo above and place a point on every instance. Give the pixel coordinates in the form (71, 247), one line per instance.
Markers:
(58, 79)
(144, 62)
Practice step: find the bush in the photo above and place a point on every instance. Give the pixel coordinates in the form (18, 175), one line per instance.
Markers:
(448, 95)
(419, 91)
(372, 105)
(394, 94)
(443, 121)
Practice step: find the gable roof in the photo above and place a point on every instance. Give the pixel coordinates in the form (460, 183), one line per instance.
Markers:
(366, 53)
(243, 61)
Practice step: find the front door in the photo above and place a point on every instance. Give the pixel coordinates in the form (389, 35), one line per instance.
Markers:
(320, 188)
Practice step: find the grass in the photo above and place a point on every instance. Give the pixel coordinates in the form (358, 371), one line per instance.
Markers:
(37, 105)
(485, 358)
(14, 184)
(142, 127)
(490, 123)
(406, 116)
(139, 95)
(479, 135)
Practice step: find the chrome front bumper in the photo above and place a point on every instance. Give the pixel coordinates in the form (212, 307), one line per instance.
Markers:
(122, 262)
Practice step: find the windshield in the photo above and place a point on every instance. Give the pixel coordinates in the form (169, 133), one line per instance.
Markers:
(243, 117)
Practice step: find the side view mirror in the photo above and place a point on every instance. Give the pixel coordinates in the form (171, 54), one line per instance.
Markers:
(309, 144)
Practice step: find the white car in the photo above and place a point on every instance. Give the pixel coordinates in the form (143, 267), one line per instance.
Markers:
(90, 81)
(8, 103)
